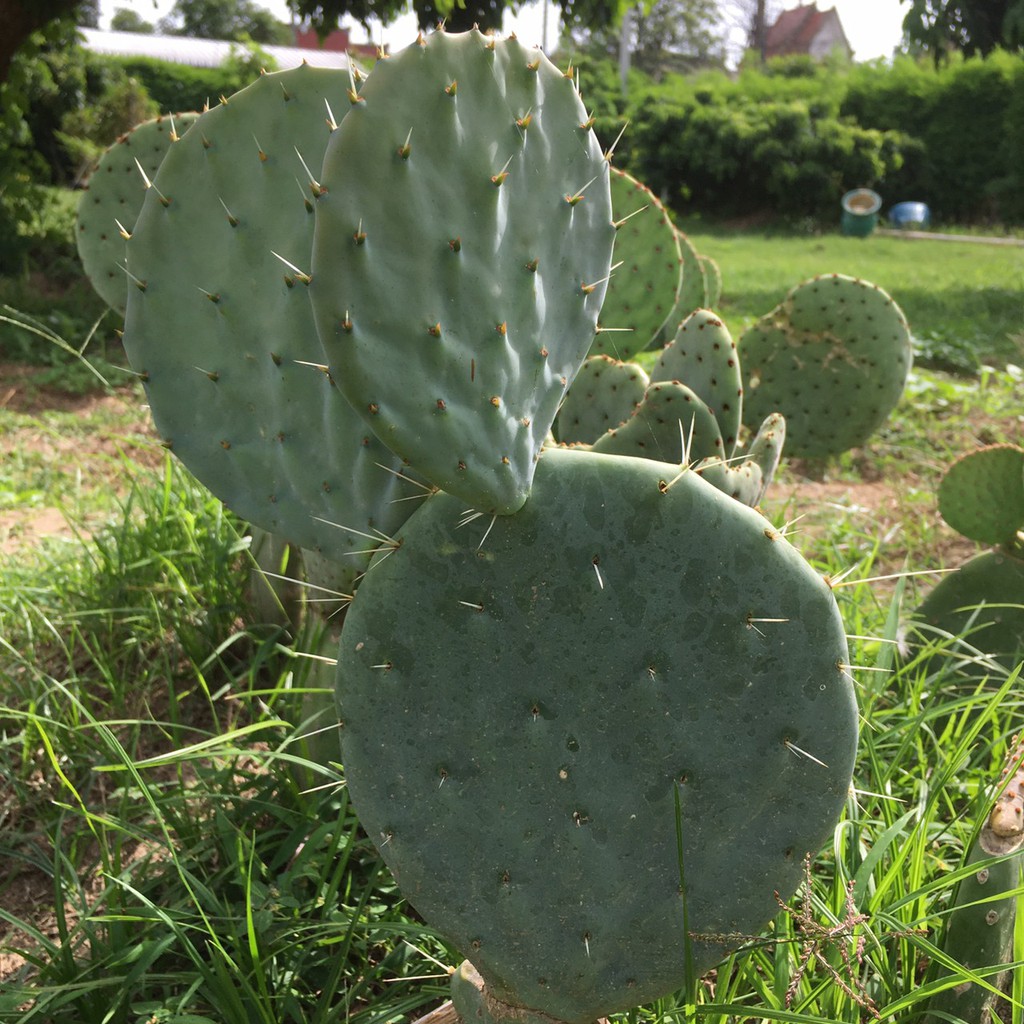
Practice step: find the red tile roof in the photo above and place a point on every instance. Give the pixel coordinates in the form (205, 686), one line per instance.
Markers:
(794, 31)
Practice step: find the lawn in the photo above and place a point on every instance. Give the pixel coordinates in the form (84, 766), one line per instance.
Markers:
(178, 844)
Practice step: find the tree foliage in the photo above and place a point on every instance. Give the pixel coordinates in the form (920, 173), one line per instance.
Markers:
(126, 20)
(239, 20)
(971, 26)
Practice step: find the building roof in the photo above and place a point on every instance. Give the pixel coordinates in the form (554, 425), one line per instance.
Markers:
(795, 31)
(200, 53)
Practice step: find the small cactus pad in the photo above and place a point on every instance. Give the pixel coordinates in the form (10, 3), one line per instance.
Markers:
(712, 274)
(461, 257)
(671, 424)
(693, 291)
(747, 480)
(584, 760)
(982, 494)
(644, 288)
(604, 394)
(220, 325)
(703, 357)
(111, 202)
(832, 358)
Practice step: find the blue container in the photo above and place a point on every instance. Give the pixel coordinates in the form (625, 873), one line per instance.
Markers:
(910, 215)
(860, 212)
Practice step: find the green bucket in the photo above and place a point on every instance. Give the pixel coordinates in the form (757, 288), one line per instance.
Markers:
(860, 212)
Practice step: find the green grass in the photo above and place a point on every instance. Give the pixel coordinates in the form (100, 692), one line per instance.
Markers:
(964, 300)
(169, 788)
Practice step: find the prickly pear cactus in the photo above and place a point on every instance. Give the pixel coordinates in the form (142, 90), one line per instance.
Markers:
(703, 356)
(220, 325)
(605, 393)
(552, 723)
(712, 274)
(982, 604)
(671, 424)
(644, 288)
(748, 478)
(461, 255)
(833, 358)
(697, 291)
(982, 494)
(113, 198)
(980, 930)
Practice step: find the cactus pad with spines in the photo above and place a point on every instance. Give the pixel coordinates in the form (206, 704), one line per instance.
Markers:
(461, 257)
(982, 494)
(605, 393)
(222, 330)
(537, 722)
(703, 356)
(113, 198)
(833, 358)
(671, 424)
(747, 479)
(644, 289)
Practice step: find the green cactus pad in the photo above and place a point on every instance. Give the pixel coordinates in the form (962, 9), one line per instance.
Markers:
(747, 480)
(222, 330)
(693, 291)
(671, 418)
(113, 199)
(540, 711)
(604, 394)
(982, 494)
(461, 257)
(712, 274)
(703, 357)
(832, 358)
(644, 289)
(983, 602)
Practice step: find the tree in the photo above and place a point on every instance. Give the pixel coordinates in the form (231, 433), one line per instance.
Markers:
(239, 20)
(20, 18)
(669, 35)
(126, 20)
(971, 26)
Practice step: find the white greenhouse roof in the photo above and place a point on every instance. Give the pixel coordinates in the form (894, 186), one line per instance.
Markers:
(200, 53)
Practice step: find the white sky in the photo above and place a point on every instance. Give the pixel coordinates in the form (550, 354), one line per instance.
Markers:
(872, 26)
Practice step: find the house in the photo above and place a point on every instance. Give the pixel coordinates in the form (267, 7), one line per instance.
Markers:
(806, 30)
(211, 53)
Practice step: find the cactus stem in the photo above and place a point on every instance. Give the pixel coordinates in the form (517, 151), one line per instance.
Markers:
(303, 277)
(794, 749)
(588, 288)
(122, 230)
(618, 138)
(332, 123)
(260, 152)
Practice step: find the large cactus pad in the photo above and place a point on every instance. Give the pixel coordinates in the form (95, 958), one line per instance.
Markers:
(832, 358)
(222, 328)
(461, 257)
(596, 734)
